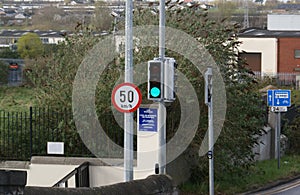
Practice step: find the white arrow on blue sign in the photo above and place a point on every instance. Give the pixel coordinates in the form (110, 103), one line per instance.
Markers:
(279, 98)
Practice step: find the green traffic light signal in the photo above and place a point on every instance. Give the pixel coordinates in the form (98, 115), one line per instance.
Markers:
(155, 80)
(154, 92)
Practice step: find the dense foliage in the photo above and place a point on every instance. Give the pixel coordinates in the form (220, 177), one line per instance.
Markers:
(53, 77)
(3, 73)
(30, 46)
(244, 119)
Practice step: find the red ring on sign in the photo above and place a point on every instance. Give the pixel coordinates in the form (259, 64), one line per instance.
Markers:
(116, 105)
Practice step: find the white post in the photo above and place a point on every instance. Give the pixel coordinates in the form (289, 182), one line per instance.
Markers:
(128, 117)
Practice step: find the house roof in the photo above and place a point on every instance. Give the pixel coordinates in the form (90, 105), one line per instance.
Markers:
(257, 32)
(288, 6)
(19, 33)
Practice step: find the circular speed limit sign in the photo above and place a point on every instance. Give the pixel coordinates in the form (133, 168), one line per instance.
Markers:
(126, 97)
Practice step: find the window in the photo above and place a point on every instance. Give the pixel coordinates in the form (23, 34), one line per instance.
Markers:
(297, 53)
(45, 40)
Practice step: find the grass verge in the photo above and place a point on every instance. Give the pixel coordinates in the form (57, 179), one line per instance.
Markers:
(262, 174)
(16, 99)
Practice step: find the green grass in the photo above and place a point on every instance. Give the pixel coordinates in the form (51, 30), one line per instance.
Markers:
(16, 99)
(263, 173)
(295, 97)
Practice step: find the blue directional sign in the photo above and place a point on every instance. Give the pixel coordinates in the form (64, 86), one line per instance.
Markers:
(279, 98)
(147, 119)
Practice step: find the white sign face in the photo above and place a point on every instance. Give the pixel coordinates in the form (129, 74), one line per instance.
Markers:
(278, 109)
(126, 97)
(55, 147)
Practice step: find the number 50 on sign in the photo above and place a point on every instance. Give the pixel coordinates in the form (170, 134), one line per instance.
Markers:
(126, 97)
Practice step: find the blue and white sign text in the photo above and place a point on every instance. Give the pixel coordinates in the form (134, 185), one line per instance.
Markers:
(148, 119)
(279, 98)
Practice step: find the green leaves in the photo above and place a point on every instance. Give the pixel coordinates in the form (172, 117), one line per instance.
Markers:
(30, 46)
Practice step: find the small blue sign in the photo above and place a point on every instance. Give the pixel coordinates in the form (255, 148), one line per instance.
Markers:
(279, 98)
(148, 119)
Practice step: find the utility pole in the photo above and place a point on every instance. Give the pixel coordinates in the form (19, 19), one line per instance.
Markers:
(162, 112)
(209, 103)
(128, 117)
(246, 14)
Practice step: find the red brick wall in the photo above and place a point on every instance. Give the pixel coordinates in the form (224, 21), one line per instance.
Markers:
(286, 56)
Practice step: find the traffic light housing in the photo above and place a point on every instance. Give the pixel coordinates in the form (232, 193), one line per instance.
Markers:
(155, 80)
(169, 79)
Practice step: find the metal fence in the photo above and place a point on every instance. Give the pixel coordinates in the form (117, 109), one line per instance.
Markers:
(24, 134)
(280, 78)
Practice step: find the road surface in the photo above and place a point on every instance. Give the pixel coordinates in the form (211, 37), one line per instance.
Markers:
(291, 188)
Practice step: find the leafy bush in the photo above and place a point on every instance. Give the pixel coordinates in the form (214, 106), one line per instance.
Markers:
(3, 73)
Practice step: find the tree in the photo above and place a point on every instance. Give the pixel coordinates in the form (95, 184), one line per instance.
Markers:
(54, 78)
(102, 19)
(3, 73)
(8, 53)
(30, 46)
(244, 113)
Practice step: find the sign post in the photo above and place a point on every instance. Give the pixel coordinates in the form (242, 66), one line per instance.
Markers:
(278, 101)
(128, 77)
(126, 98)
(209, 103)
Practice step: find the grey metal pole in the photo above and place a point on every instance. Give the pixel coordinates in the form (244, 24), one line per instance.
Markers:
(128, 117)
(211, 148)
(211, 135)
(162, 133)
(278, 139)
(162, 24)
(162, 139)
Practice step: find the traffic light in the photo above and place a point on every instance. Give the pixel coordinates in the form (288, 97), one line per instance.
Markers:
(155, 80)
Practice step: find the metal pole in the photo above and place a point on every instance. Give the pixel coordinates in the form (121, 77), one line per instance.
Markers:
(128, 117)
(162, 24)
(162, 133)
(278, 139)
(209, 103)
(211, 148)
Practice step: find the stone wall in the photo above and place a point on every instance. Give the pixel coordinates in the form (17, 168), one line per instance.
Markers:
(154, 185)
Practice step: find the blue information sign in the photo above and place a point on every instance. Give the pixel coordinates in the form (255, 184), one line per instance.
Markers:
(279, 98)
(148, 119)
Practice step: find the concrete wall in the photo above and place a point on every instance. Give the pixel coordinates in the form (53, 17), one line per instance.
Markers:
(47, 171)
(264, 149)
(284, 22)
(154, 185)
(46, 175)
(13, 182)
(268, 49)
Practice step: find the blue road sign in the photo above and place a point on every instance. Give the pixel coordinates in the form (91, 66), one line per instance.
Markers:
(279, 98)
(147, 119)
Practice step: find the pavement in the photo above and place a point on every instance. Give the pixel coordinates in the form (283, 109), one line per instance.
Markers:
(272, 185)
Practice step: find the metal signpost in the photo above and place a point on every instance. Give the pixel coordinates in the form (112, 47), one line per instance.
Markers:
(128, 117)
(278, 101)
(161, 85)
(126, 97)
(209, 103)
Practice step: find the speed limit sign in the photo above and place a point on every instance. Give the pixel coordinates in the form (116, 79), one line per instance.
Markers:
(126, 97)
